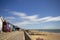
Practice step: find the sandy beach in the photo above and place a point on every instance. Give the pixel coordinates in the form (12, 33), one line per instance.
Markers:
(44, 35)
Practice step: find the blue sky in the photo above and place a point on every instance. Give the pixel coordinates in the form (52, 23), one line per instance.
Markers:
(32, 14)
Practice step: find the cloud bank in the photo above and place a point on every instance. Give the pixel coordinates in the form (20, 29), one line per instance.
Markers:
(32, 19)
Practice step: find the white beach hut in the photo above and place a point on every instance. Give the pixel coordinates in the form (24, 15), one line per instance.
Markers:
(1, 23)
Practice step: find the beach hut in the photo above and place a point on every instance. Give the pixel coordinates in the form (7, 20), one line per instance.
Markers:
(4, 28)
(1, 22)
(10, 28)
(17, 28)
(13, 28)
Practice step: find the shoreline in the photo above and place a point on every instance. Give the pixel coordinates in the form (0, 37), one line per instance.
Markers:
(43, 35)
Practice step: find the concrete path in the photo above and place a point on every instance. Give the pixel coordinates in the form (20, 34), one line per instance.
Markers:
(17, 35)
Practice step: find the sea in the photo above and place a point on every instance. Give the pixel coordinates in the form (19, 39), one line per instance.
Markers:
(50, 30)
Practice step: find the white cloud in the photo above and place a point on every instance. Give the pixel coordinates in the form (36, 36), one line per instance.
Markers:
(21, 23)
(33, 19)
(24, 16)
(19, 14)
(10, 17)
(52, 19)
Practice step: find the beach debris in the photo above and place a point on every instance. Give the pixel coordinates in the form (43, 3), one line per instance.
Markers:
(39, 38)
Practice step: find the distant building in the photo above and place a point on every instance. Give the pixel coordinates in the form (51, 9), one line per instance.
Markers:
(17, 28)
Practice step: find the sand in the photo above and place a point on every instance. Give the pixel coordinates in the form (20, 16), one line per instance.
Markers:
(44, 35)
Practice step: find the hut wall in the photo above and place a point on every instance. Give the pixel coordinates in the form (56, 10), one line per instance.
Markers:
(4, 28)
(0, 24)
(10, 27)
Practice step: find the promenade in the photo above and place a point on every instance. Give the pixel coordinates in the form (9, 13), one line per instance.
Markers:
(31, 35)
(16, 35)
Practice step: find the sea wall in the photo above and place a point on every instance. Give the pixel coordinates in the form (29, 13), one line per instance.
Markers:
(27, 37)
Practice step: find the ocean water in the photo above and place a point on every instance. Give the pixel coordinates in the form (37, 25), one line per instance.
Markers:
(50, 30)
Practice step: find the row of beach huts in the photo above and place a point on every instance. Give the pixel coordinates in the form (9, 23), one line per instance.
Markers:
(6, 26)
